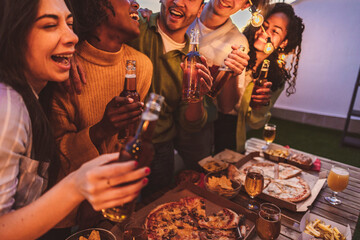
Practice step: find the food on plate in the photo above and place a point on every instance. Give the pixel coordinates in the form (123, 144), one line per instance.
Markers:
(287, 187)
(214, 165)
(94, 235)
(222, 182)
(188, 176)
(292, 190)
(227, 156)
(301, 159)
(319, 229)
(186, 219)
(277, 153)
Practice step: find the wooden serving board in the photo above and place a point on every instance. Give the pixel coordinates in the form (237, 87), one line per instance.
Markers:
(315, 184)
(213, 203)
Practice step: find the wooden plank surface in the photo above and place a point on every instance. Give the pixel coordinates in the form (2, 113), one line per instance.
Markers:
(346, 213)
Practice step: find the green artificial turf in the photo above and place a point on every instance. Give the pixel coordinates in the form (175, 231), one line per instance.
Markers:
(319, 141)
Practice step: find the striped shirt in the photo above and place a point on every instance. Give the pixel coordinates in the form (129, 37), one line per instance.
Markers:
(19, 182)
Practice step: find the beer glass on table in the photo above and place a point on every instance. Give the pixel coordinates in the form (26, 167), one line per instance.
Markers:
(254, 184)
(269, 134)
(134, 231)
(268, 223)
(337, 181)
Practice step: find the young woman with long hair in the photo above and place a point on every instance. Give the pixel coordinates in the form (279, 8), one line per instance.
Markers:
(285, 29)
(36, 44)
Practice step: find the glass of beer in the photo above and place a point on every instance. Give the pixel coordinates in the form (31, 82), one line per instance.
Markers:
(269, 134)
(254, 184)
(337, 181)
(268, 223)
(134, 231)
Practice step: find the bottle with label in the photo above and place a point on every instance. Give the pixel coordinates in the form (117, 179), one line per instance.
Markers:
(130, 92)
(259, 82)
(141, 149)
(191, 80)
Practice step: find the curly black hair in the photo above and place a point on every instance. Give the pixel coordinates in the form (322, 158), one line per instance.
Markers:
(278, 75)
(88, 14)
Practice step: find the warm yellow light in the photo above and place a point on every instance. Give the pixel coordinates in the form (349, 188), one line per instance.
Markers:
(269, 48)
(257, 19)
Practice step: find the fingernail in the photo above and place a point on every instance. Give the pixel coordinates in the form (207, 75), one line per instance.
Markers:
(147, 170)
(136, 164)
(145, 181)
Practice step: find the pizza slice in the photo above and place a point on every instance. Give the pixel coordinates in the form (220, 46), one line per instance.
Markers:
(224, 219)
(195, 206)
(287, 171)
(292, 190)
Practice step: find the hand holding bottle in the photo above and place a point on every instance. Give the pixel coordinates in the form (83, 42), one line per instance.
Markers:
(263, 94)
(237, 60)
(119, 113)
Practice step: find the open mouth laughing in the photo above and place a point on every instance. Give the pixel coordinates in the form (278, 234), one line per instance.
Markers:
(223, 4)
(62, 59)
(176, 13)
(134, 16)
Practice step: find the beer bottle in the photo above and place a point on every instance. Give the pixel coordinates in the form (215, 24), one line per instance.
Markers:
(191, 80)
(260, 81)
(130, 92)
(141, 149)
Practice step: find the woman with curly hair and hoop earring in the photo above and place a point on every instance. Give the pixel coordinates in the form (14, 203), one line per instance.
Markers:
(285, 30)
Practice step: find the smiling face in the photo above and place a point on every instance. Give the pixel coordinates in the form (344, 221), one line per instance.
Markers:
(276, 29)
(177, 15)
(124, 23)
(226, 8)
(50, 44)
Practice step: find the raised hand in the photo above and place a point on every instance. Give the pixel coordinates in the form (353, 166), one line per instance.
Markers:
(263, 94)
(119, 113)
(237, 60)
(106, 183)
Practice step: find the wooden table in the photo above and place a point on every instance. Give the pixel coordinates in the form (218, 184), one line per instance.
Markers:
(346, 213)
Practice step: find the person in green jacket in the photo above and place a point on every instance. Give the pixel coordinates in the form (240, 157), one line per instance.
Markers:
(163, 39)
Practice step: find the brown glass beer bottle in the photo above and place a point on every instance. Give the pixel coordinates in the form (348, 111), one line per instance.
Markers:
(260, 81)
(140, 148)
(130, 92)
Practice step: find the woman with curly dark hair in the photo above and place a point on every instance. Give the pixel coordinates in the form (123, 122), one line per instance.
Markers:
(285, 30)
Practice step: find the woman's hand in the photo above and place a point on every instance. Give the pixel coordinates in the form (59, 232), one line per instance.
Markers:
(263, 94)
(119, 113)
(77, 78)
(237, 60)
(145, 13)
(106, 183)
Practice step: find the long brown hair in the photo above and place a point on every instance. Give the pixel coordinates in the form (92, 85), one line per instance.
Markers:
(16, 20)
(279, 75)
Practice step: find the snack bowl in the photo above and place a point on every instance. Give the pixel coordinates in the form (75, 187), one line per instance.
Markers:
(276, 153)
(104, 234)
(211, 164)
(220, 184)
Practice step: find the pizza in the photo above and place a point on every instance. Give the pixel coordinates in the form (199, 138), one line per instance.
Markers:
(291, 190)
(186, 219)
(287, 186)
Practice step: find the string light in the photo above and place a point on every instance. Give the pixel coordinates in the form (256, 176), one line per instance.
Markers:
(256, 18)
(269, 47)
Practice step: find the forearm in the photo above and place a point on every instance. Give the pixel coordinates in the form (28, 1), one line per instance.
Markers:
(194, 112)
(229, 95)
(35, 219)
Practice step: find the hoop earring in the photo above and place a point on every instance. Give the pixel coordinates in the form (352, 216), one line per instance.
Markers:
(281, 57)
